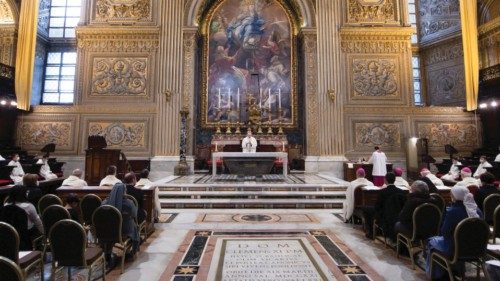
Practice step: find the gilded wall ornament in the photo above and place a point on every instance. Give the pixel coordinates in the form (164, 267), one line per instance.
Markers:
(446, 85)
(120, 10)
(119, 76)
(118, 134)
(456, 134)
(372, 11)
(6, 15)
(374, 77)
(438, 18)
(447, 51)
(378, 134)
(38, 134)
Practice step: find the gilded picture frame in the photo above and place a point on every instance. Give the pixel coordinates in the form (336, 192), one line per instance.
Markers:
(268, 79)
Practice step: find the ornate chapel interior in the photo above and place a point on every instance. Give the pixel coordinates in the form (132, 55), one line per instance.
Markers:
(173, 86)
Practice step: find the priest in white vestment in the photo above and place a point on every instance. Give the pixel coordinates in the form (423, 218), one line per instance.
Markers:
(145, 182)
(110, 179)
(454, 172)
(481, 169)
(45, 171)
(467, 178)
(379, 161)
(348, 205)
(249, 143)
(435, 180)
(75, 180)
(17, 173)
(400, 181)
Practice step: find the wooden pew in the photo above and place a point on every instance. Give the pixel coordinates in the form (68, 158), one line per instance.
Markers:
(47, 187)
(103, 192)
(368, 197)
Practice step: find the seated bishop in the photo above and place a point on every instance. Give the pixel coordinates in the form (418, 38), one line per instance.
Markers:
(467, 179)
(17, 173)
(249, 143)
(45, 169)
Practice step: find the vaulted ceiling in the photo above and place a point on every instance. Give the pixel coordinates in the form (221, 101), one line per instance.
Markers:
(7, 15)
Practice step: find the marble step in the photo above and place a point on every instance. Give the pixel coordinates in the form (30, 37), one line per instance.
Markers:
(251, 194)
(290, 203)
(254, 188)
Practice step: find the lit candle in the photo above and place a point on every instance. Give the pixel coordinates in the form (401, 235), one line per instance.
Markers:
(260, 100)
(283, 146)
(216, 147)
(238, 99)
(279, 98)
(219, 99)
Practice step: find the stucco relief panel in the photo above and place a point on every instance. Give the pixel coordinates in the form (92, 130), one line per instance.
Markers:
(372, 11)
(6, 15)
(120, 134)
(376, 79)
(119, 76)
(446, 85)
(384, 134)
(438, 18)
(122, 10)
(36, 131)
(458, 134)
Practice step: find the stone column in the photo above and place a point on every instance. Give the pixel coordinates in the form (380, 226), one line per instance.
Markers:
(169, 99)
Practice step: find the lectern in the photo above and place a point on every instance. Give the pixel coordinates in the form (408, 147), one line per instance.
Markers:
(98, 158)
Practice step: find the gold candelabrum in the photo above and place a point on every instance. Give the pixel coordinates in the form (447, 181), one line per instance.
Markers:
(269, 122)
(280, 116)
(218, 130)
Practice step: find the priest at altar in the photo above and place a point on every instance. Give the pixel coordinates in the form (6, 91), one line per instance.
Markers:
(249, 143)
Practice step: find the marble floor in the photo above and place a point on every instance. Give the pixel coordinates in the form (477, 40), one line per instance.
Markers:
(161, 248)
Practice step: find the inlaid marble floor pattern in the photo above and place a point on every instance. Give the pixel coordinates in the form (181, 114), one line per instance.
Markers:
(161, 249)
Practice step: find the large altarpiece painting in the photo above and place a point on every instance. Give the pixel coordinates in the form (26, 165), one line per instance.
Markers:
(249, 62)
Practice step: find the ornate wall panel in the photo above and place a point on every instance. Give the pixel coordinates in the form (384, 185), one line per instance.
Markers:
(130, 134)
(373, 11)
(438, 19)
(122, 11)
(117, 62)
(34, 132)
(366, 132)
(123, 76)
(444, 73)
(312, 115)
(6, 14)
(461, 133)
(376, 78)
(489, 43)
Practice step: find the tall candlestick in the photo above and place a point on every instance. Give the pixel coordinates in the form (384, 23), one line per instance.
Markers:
(238, 99)
(219, 98)
(279, 98)
(260, 100)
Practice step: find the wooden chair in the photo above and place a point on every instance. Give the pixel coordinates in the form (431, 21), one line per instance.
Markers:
(50, 217)
(10, 270)
(496, 224)
(426, 221)
(88, 205)
(107, 221)
(470, 238)
(489, 206)
(439, 201)
(140, 226)
(69, 248)
(9, 248)
(48, 200)
(17, 217)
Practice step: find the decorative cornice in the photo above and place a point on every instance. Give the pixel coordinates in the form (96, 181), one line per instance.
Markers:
(93, 109)
(125, 39)
(412, 110)
(376, 39)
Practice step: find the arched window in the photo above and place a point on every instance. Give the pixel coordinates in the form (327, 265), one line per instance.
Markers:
(60, 64)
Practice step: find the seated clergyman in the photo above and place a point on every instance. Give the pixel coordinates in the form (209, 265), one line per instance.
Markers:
(249, 143)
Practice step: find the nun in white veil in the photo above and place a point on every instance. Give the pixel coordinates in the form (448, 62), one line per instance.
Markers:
(463, 207)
